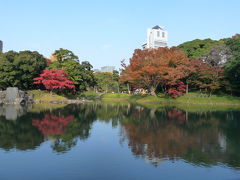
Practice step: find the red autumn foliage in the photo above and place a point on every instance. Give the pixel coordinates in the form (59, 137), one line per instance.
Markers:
(54, 79)
(52, 125)
(151, 67)
(176, 89)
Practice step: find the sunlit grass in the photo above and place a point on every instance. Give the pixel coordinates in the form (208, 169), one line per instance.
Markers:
(116, 97)
(190, 98)
(44, 96)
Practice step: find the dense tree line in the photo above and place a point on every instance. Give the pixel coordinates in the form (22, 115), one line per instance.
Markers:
(20, 69)
(206, 65)
(81, 74)
(224, 54)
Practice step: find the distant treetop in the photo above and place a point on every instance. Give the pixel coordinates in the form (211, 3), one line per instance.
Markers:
(62, 55)
(198, 48)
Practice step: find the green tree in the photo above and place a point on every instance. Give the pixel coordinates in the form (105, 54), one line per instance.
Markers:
(65, 54)
(8, 71)
(107, 82)
(29, 65)
(232, 68)
(81, 74)
(19, 69)
(198, 48)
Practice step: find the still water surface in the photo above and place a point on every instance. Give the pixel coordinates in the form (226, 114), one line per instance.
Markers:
(121, 141)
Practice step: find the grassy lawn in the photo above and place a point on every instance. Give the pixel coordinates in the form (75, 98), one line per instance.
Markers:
(45, 96)
(190, 98)
(116, 97)
(214, 99)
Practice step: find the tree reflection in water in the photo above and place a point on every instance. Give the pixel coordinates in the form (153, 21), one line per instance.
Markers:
(52, 124)
(199, 137)
(64, 129)
(177, 115)
(18, 133)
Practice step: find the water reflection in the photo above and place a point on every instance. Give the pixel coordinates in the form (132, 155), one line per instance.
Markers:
(12, 111)
(201, 137)
(16, 130)
(52, 124)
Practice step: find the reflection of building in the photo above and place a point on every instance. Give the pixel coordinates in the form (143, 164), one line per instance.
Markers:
(154, 160)
(156, 37)
(107, 69)
(1, 46)
(222, 142)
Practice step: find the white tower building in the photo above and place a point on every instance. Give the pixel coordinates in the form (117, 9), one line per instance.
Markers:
(156, 37)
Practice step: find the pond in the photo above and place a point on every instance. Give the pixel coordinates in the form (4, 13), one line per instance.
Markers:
(119, 141)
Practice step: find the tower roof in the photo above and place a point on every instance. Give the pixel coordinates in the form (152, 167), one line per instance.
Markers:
(158, 27)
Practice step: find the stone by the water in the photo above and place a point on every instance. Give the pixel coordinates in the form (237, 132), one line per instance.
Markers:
(12, 95)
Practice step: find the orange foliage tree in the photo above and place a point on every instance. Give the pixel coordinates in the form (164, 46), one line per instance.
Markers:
(151, 68)
(205, 77)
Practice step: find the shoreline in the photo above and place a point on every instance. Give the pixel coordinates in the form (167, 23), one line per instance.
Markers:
(68, 101)
(166, 102)
(187, 99)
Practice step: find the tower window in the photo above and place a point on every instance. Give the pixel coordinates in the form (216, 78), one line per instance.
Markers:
(158, 33)
(163, 34)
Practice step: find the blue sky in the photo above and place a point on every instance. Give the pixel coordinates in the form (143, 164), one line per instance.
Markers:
(104, 31)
